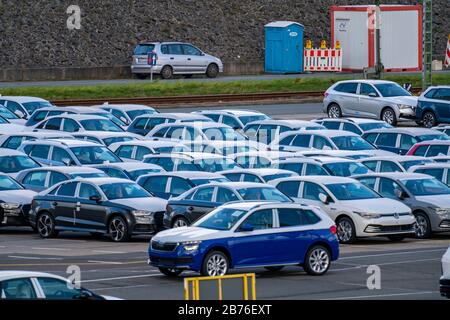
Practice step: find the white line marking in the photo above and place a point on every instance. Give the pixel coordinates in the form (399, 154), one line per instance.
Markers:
(123, 278)
(383, 295)
(51, 249)
(386, 264)
(104, 262)
(106, 251)
(33, 258)
(390, 254)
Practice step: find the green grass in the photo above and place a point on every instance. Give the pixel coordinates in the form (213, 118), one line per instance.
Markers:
(164, 88)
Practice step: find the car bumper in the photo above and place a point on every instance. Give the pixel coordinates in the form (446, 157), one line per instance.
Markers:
(444, 287)
(385, 226)
(409, 114)
(142, 68)
(177, 259)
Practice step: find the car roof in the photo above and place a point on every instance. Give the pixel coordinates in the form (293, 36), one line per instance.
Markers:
(41, 134)
(10, 152)
(103, 180)
(327, 159)
(436, 165)
(150, 143)
(79, 117)
(394, 175)
(235, 112)
(189, 174)
(331, 133)
(124, 107)
(318, 179)
(238, 185)
(288, 123)
(435, 142)
(65, 142)
(259, 171)
(12, 274)
(296, 160)
(395, 158)
(176, 116)
(187, 155)
(105, 134)
(84, 110)
(67, 169)
(130, 166)
(369, 81)
(23, 99)
(351, 120)
(414, 131)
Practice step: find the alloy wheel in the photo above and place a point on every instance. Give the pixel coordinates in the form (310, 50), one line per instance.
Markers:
(334, 112)
(389, 117)
(180, 223)
(216, 265)
(117, 229)
(45, 225)
(421, 226)
(429, 120)
(344, 231)
(319, 260)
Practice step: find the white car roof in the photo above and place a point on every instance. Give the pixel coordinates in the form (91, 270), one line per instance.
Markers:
(327, 159)
(148, 143)
(332, 153)
(438, 165)
(415, 131)
(130, 166)
(366, 81)
(259, 171)
(125, 107)
(395, 175)
(238, 185)
(235, 112)
(10, 152)
(395, 158)
(6, 275)
(436, 142)
(41, 134)
(190, 174)
(106, 134)
(288, 123)
(103, 180)
(78, 117)
(317, 179)
(331, 133)
(351, 120)
(176, 116)
(66, 142)
(67, 169)
(22, 99)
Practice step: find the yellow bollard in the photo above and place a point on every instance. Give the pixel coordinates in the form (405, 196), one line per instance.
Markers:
(323, 44)
(308, 44)
(338, 44)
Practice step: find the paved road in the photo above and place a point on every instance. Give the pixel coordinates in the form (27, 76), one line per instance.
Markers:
(409, 270)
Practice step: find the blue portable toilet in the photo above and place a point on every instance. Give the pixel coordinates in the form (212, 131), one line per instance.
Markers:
(284, 47)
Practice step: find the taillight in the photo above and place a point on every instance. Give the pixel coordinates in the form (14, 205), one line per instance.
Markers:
(333, 229)
(326, 94)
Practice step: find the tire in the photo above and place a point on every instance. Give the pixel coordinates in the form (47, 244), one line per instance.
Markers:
(118, 229)
(429, 119)
(170, 272)
(422, 226)
(346, 232)
(334, 111)
(46, 226)
(317, 261)
(141, 76)
(180, 222)
(274, 268)
(212, 71)
(215, 264)
(396, 237)
(167, 72)
(388, 116)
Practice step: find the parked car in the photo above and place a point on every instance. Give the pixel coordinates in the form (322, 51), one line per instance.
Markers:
(68, 152)
(129, 170)
(433, 149)
(172, 184)
(23, 106)
(433, 107)
(265, 131)
(14, 140)
(8, 127)
(40, 179)
(195, 203)
(427, 197)
(260, 159)
(15, 202)
(355, 125)
(357, 210)
(440, 171)
(249, 235)
(136, 150)
(235, 118)
(444, 282)
(46, 112)
(260, 175)
(400, 140)
(106, 138)
(12, 162)
(11, 117)
(228, 148)
(173, 58)
(142, 125)
(117, 207)
(301, 166)
(395, 163)
(376, 99)
(341, 167)
(191, 161)
(127, 112)
(348, 154)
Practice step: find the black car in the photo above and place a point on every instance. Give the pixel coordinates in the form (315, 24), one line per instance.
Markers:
(117, 207)
(194, 204)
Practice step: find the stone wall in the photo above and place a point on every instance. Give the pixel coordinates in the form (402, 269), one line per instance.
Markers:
(34, 34)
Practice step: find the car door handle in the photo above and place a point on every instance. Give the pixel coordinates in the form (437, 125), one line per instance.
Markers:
(172, 58)
(189, 59)
(190, 208)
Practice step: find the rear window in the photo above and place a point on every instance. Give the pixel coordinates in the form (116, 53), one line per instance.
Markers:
(144, 49)
(347, 87)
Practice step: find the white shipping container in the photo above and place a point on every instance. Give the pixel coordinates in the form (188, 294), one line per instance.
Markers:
(401, 36)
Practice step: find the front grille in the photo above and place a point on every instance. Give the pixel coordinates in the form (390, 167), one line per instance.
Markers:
(381, 229)
(171, 261)
(168, 246)
(145, 228)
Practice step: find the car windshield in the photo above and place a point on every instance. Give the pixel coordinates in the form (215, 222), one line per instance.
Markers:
(111, 117)
(137, 173)
(426, 187)
(352, 143)
(263, 194)
(88, 175)
(374, 125)
(352, 191)
(429, 137)
(271, 177)
(94, 155)
(221, 219)
(100, 125)
(136, 113)
(5, 113)
(10, 164)
(34, 105)
(6, 183)
(248, 119)
(199, 182)
(412, 163)
(124, 190)
(112, 140)
(392, 90)
(216, 164)
(143, 49)
(223, 134)
(346, 169)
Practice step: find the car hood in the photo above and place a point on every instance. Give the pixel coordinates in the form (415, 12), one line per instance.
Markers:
(380, 153)
(441, 201)
(17, 196)
(381, 206)
(20, 122)
(153, 204)
(410, 101)
(188, 234)
(8, 128)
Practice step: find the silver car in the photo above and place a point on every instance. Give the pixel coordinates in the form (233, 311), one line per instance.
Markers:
(374, 99)
(174, 58)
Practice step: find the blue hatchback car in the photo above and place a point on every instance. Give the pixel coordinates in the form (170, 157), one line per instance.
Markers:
(249, 235)
(434, 106)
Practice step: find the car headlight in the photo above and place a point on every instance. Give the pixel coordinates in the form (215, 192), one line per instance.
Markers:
(367, 215)
(191, 245)
(404, 106)
(442, 211)
(143, 216)
(10, 206)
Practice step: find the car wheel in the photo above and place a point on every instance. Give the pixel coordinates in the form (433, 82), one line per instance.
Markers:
(180, 222)
(118, 229)
(274, 268)
(334, 111)
(396, 237)
(46, 226)
(317, 261)
(429, 120)
(388, 116)
(422, 226)
(215, 264)
(346, 232)
(212, 71)
(167, 72)
(170, 272)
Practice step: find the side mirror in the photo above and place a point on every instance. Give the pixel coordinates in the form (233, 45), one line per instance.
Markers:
(325, 199)
(246, 227)
(373, 95)
(400, 194)
(326, 148)
(20, 114)
(68, 162)
(95, 198)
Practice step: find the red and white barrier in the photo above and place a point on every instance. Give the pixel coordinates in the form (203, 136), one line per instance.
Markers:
(447, 55)
(323, 60)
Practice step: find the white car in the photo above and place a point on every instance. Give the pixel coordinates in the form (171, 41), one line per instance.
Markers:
(394, 163)
(357, 210)
(235, 118)
(12, 162)
(341, 167)
(30, 285)
(444, 282)
(136, 150)
(259, 175)
(354, 155)
(23, 106)
(14, 140)
(127, 112)
(440, 171)
(260, 159)
(7, 127)
(105, 137)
